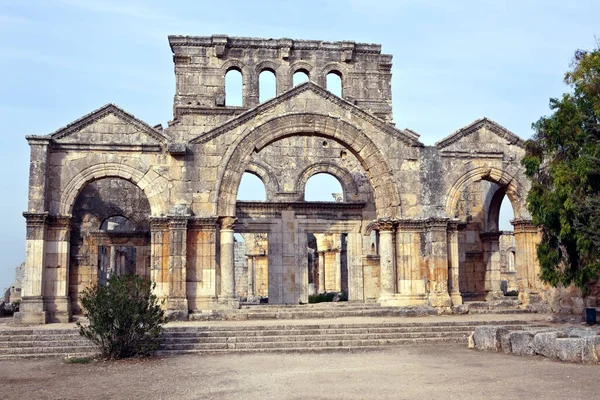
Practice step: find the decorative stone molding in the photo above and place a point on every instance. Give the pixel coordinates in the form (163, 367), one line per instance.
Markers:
(227, 223)
(159, 223)
(202, 223)
(482, 123)
(522, 225)
(36, 219)
(178, 221)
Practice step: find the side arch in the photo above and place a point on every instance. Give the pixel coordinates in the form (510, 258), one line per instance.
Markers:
(267, 178)
(152, 184)
(239, 154)
(511, 185)
(343, 176)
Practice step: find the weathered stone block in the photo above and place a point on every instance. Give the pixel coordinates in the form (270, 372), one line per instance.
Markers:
(570, 349)
(489, 337)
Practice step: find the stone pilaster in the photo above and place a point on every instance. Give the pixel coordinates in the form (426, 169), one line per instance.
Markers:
(491, 258)
(251, 277)
(527, 237)
(438, 263)
(159, 256)
(453, 264)
(411, 283)
(227, 295)
(56, 269)
(355, 268)
(177, 307)
(38, 168)
(32, 310)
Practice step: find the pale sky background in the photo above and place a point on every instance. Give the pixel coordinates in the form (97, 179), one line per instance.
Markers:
(454, 62)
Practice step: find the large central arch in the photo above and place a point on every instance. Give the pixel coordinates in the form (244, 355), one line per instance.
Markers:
(387, 198)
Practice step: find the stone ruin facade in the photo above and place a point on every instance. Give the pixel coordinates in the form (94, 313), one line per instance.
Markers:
(417, 225)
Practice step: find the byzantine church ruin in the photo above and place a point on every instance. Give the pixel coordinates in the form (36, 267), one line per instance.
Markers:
(415, 225)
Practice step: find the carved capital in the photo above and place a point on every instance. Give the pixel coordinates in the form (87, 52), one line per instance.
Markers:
(228, 222)
(36, 219)
(383, 224)
(524, 225)
(159, 223)
(178, 221)
(60, 221)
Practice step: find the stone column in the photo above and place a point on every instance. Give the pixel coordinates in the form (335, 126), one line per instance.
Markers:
(251, 277)
(453, 264)
(32, 310)
(491, 257)
(177, 307)
(159, 256)
(321, 271)
(56, 269)
(527, 237)
(227, 261)
(387, 260)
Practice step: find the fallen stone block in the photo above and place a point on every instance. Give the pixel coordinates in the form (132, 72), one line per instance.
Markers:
(570, 349)
(521, 342)
(590, 353)
(489, 337)
(544, 343)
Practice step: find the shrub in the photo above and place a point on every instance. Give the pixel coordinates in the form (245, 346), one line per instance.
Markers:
(125, 319)
(328, 297)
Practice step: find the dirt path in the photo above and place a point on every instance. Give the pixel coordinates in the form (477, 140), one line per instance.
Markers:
(442, 371)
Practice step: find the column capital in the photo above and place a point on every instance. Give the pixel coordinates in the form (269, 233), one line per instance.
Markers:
(36, 218)
(178, 221)
(227, 222)
(524, 225)
(382, 225)
(159, 223)
(60, 221)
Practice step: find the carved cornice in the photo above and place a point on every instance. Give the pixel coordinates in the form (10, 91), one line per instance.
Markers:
(159, 223)
(383, 224)
(477, 125)
(404, 136)
(103, 111)
(202, 223)
(259, 43)
(59, 221)
(134, 148)
(40, 140)
(178, 221)
(34, 219)
(227, 223)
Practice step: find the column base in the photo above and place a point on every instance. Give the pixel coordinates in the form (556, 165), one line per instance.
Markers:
(177, 309)
(226, 303)
(31, 312)
(494, 295)
(439, 299)
(58, 309)
(456, 299)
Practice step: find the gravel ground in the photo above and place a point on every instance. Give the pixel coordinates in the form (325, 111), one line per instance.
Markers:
(419, 372)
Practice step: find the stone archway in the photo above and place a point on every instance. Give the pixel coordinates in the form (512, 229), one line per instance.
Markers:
(341, 174)
(235, 162)
(152, 184)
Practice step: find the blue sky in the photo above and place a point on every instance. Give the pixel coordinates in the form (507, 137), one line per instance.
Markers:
(454, 61)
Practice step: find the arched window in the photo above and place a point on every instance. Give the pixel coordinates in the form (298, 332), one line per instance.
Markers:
(233, 88)
(267, 85)
(334, 83)
(511, 261)
(300, 76)
(323, 187)
(506, 215)
(251, 188)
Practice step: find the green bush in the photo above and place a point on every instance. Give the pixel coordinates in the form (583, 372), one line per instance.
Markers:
(125, 319)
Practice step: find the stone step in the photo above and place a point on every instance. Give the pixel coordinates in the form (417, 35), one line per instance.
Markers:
(33, 331)
(46, 355)
(502, 311)
(45, 343)
(309, 344)
(304, 338)
(44, 350)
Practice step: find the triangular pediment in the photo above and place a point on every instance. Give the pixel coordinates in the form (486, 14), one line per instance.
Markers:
(108, 125)
(483, 126)
(315, 93)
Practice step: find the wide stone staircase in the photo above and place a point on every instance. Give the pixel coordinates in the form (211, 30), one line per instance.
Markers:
(350, 309)
(225, 338)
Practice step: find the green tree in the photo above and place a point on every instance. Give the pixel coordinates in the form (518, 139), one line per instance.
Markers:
(125, 319)
(563, 162)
